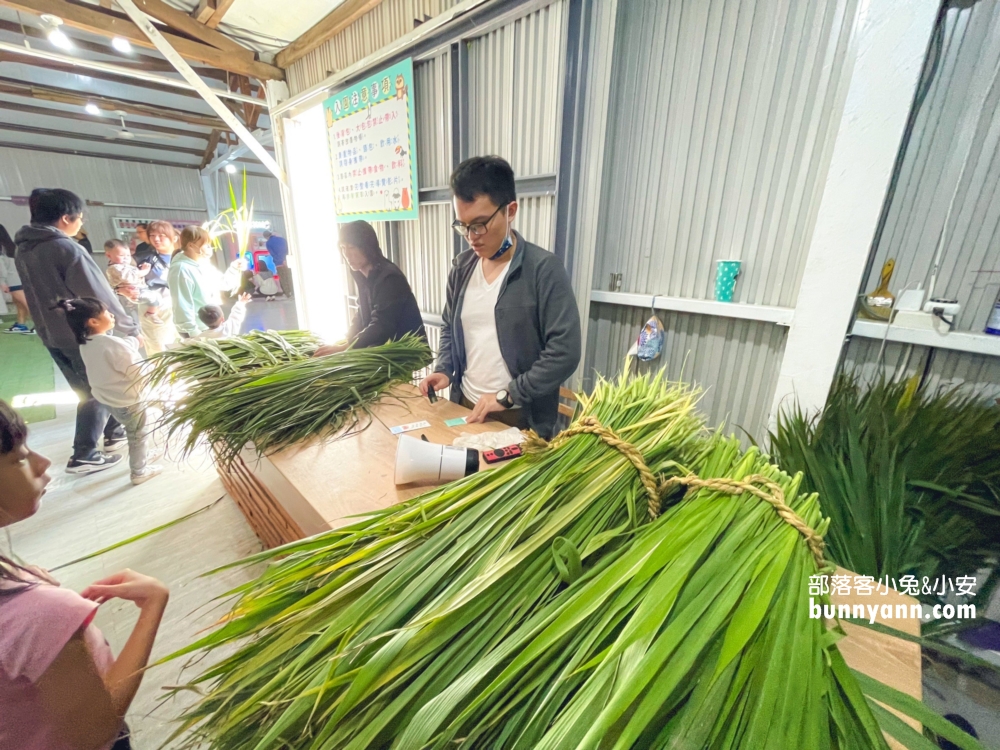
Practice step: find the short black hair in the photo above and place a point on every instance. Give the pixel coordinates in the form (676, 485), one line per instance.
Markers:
(211, 315)
(142, 225)
(13, 430)
(267, 233)
(115, 243)
(484, 175)
(49, 205)
(78, 312)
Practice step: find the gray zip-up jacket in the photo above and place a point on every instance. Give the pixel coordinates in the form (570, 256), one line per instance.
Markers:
(538, 326)
(53, 266)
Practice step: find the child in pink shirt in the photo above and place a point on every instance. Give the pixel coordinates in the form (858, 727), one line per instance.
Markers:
(61, 688)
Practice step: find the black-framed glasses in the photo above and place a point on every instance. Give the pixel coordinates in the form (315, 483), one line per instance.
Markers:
(478, 228)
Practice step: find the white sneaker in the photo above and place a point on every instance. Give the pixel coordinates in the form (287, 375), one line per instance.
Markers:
(146, 474)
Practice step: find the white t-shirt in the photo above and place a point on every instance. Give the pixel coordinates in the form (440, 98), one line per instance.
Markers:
(113, 369)
(485, 370)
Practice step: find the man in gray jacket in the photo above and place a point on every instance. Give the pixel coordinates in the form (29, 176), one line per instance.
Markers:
(53, 266)
(511, 332)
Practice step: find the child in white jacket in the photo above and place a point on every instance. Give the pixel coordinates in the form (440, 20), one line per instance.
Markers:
(219, 326)
(113, 370)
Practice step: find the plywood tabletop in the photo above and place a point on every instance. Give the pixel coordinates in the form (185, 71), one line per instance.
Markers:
(322, 482)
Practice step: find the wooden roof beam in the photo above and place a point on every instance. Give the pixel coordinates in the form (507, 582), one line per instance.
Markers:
(137, 61)
(96, 21)
(213, 144)
(68, 96)
(336, 21)
(182, 22)
(220, 8)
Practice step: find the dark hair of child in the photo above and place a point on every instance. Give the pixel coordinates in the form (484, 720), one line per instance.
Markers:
(78, 313)
(211, 315)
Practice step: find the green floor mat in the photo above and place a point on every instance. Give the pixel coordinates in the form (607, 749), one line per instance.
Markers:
(25, 368)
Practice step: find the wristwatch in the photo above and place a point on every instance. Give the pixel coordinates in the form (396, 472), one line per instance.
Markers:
(503, 398)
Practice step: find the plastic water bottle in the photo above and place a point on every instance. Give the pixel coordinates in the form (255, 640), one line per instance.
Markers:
(993, 324)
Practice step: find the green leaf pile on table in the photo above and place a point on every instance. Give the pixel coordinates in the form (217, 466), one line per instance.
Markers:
(270, 393)
(572, 598)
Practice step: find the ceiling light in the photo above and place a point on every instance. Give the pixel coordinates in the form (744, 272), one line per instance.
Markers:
(54, 33)
(122, 45)
(231, 168)
(92, 109)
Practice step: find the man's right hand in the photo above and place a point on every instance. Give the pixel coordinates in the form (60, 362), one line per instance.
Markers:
(438, 381)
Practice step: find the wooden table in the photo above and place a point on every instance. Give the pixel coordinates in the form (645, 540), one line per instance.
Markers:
(316, 486)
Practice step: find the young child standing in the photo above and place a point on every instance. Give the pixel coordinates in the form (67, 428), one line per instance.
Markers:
(129, 281)
(61, 686)
(219, 326)
(113, 369)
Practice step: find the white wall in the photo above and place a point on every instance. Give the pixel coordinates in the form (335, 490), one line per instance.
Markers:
(892, 37)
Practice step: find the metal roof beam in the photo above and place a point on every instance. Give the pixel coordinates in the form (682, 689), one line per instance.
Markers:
(233, 154)
(161, 44)
(117, 70)
(98, 120)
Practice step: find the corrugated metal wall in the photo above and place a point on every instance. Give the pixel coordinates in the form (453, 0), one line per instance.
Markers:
(516, 81)
(516, 74)
(426, 253)
(958, 120)
(266, 196)
(721, 117)
(388, 21)
(720, 111)
(953, 124)
(115, 181)
(106, 180)
(734, 361)
(432, 102)
(973, 371)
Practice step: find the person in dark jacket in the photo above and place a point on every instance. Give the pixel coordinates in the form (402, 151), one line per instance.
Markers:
(142, 239)
(52, 267)
(84, 241)
(511, 332)
(387, 309)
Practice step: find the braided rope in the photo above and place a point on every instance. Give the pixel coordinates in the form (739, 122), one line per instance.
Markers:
(591, 426)
(773, 496)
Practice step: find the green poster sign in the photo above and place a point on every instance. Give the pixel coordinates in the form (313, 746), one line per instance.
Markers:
(371, 130)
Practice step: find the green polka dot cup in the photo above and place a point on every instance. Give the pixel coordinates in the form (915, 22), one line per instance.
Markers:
(726, 272)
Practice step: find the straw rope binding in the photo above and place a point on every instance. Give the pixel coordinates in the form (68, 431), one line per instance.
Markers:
(655, 490)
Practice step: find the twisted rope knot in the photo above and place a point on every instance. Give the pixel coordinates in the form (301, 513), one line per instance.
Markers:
(772, 494)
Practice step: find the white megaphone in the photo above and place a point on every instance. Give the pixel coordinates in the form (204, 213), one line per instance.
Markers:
(420, 461)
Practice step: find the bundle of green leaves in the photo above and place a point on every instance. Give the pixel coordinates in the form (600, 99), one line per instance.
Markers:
(475, 558)
(275, 406)
(204, 359)
(910, 481)
(536, 606)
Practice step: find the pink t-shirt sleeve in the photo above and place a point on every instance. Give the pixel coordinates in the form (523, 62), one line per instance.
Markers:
(35, 625)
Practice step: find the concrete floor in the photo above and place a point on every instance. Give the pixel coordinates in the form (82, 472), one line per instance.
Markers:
(81, 515)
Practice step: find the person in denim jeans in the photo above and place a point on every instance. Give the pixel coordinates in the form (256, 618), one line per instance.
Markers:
(52, 266)
(113, 369)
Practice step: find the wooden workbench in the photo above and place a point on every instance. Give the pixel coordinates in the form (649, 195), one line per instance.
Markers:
(318, 485)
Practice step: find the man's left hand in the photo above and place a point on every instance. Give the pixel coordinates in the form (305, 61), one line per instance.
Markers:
(487, 405)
